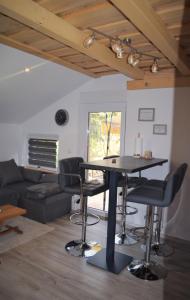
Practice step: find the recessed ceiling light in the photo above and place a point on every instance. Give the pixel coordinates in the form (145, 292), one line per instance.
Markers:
(27, 69)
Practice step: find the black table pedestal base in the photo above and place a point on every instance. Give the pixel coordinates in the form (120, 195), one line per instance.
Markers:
(120, 262)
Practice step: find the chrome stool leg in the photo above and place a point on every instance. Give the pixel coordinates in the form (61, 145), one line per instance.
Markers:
(159, 248)
(147, 269)
(125, 237)
(82, 247)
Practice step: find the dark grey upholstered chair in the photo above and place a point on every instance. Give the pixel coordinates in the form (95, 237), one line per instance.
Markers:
(154, 196)
(72, 181)
(125, 237)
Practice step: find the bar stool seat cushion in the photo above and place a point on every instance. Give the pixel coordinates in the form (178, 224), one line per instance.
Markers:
(156, 183)
(89, 189)
(132, 182)
(147, 195)
(136, 181)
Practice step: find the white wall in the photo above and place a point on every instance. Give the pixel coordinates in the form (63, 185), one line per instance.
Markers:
(10, 142)
(178, 213)
(44, 124)
(160, 145)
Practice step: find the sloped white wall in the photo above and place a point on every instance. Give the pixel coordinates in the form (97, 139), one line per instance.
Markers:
(25, 94)
(10, 142)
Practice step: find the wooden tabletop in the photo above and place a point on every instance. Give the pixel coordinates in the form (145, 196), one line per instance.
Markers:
(128, 164)
(9, 211)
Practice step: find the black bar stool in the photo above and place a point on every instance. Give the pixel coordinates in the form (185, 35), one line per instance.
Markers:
(72, 181)
(125, 237)
(160, 197)
(158, 248)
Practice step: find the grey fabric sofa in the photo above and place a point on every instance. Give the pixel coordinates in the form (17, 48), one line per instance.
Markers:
(34, 190)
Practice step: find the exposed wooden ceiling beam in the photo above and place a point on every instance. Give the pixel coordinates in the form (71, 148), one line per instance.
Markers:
(149, 23)
(159, 82)
(42, 20)
(20, 46)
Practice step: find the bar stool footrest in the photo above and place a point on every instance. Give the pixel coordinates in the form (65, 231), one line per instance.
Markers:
(133, 211)
(74, 220)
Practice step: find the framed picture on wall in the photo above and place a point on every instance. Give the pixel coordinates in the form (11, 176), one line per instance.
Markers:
(146, 114)
(160, 129)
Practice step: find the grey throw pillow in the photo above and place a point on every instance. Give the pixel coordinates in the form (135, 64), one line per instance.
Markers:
(31, 175)
(9, 172)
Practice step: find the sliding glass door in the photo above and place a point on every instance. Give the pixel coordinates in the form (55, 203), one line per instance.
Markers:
(104, 135)
(103, 131)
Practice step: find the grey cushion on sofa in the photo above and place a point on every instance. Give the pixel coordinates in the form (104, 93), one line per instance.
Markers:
(43, 190)
(31, 175)
(9, 172)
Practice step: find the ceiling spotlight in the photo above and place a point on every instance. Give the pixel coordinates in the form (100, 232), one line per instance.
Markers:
(130, 58)
(136, 61)
(120, 54)
(89, 40)
(154, 67)
(133, 59)
(116, 46)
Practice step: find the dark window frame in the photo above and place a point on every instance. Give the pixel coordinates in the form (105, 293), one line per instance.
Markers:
(43, 152)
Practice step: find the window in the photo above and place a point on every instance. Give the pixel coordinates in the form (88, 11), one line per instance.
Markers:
(43, 152)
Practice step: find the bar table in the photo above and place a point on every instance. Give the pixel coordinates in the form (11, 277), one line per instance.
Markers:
(108, 258)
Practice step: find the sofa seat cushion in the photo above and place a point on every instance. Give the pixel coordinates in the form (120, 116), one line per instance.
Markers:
(20, 187)
(9, 172)
(8, 196)
(43, 190)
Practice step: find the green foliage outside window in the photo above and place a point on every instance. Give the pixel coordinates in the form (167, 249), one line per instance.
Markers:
(104, 134)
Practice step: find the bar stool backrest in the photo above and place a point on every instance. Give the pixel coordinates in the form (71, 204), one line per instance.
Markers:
(173, 184)
(181, 173)
(71, 166)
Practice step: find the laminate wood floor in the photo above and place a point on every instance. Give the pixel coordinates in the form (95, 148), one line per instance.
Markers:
(42, 270)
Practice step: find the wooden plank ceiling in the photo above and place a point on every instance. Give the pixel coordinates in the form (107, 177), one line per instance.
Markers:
(55, 30)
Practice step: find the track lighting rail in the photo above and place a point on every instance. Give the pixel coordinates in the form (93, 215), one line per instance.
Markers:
(118, 45)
